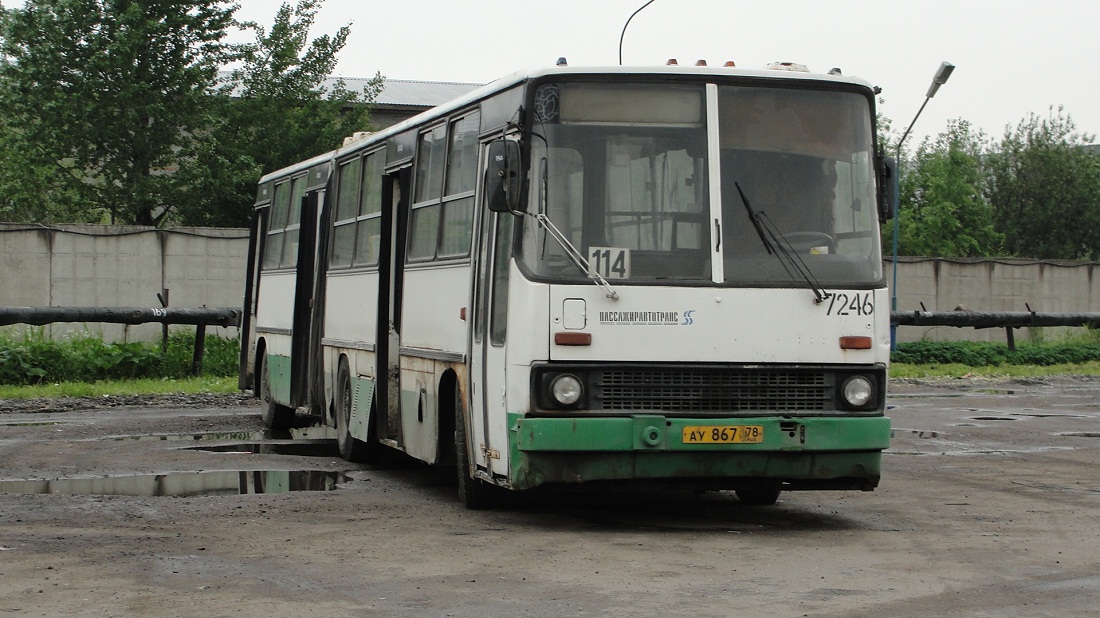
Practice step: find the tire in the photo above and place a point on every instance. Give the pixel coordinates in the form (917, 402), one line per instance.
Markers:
(275, 415)
(474, 493)
(758, 497)
(351, 449)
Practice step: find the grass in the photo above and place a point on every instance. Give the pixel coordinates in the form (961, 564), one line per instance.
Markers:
(221, 384)
(956, 370)
(149, 386)
(31, 357)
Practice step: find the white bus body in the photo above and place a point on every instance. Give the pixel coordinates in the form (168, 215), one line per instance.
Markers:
(579, 275)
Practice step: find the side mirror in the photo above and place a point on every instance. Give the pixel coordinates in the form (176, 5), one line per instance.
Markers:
(502, 176)
(889, 183)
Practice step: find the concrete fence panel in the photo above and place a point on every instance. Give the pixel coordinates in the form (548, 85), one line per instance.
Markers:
(949, 284)
(120, 266)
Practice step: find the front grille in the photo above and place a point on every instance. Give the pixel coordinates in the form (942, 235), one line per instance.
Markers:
(713, 390)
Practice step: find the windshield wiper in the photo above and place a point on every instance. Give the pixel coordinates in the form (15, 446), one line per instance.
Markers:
(754, 217)
(573, 254)
(775, 243)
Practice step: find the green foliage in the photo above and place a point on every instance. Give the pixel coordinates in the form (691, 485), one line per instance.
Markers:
(114, 111)
(35, 359)
(103, 100)
(945, 210)
(1045, 186)
(984, 354)
(273, 111)
(1036, 193)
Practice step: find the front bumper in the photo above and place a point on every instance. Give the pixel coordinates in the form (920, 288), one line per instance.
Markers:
(797, 452)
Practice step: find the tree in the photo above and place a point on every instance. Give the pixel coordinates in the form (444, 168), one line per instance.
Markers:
(944, 208)
(276, 109)
(104, 99)
(1045, 187)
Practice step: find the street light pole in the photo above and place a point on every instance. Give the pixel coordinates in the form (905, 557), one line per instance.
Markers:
(939, 79)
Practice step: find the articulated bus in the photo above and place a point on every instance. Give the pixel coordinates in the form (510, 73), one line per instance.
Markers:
(665, 276)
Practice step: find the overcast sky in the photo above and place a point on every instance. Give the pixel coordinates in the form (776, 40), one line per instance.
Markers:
(1012, 57)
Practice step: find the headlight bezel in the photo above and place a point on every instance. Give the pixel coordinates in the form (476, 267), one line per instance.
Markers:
(543, 382)
(858, 392)
(566, 389)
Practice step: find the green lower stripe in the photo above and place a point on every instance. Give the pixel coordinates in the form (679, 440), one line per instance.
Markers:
(659, 433)
(278, 368)
(807, 452)
(828, 470)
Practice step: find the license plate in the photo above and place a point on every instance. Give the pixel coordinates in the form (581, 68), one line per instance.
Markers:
(723, 434)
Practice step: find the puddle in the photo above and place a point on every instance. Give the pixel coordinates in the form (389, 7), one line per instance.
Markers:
(968, 452)
(1080, 434)
(33, 424)
(925, 395)
(310, 448)
(922, 434)
(1040, 415)
(316, 432)
(229, 482)
(992, 418)
(1058, 488)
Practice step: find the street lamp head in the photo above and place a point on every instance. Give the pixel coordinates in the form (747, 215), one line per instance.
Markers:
(940, 79)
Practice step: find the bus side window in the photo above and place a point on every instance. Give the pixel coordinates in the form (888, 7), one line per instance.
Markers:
(347, 199)
(276, 226)
(293, 223)
(458, 199)
(427, 190)
(442, 221)
(369, 226)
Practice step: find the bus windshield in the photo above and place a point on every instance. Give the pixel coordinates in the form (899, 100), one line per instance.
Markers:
(624, 171)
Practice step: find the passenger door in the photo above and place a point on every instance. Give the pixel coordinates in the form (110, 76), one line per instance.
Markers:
(391, 269)
(488, 367)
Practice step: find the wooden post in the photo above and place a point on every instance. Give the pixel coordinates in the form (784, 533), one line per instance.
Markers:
(163, 298)
(200, 345)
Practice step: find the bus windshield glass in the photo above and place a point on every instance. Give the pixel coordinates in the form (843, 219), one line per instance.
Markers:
(624, 171)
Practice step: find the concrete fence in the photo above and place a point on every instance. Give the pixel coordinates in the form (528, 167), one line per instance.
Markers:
(120, 266)
(112, 266)
(1002, 284)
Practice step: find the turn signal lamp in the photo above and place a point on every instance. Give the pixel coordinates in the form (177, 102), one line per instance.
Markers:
(573, 338)
(855, 343)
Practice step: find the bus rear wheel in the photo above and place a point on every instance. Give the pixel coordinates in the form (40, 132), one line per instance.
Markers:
(474, 493)
(351, 448)
(275, 415)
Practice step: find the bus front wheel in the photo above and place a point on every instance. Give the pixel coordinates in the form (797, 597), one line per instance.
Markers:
(351, 448)
(474, 493)
(275, 415)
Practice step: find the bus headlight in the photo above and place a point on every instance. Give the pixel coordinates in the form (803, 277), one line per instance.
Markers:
(858, 391)
(566, 389)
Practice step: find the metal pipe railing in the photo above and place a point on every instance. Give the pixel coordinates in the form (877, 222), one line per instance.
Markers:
(1007, 320)
(199, 317)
